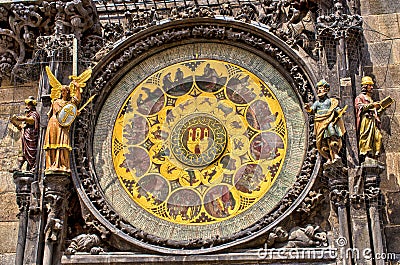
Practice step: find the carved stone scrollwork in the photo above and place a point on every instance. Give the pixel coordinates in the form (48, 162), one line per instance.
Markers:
(55, 195)
(338, 183)
(371, 170)
(191, 12)
(137, 20)
(339, 23)
(293, 22)
(23, 182)
(22, 24)
(54, 43)
(313, 199)
(247, 13)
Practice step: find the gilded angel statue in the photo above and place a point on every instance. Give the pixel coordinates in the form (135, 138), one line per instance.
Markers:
(65, 99)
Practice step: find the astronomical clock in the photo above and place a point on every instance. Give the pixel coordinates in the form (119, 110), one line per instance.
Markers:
(197, 146)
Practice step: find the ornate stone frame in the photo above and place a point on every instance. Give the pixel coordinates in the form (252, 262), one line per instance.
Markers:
(139, 47)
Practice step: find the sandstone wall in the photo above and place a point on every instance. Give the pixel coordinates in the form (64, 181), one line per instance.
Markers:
(382, 33)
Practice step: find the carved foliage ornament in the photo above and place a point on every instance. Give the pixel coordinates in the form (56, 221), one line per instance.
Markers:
(23, 26)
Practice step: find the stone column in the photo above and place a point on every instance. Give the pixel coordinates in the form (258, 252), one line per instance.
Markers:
(22, 182)
(371, 170)
(339, 193)
(56, 193)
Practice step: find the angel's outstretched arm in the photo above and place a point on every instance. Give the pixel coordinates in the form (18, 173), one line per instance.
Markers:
(77, 96)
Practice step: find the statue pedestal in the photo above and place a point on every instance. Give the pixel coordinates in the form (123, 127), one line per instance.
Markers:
(338, 185)
(23, 181)
(371, 170)
(56, 192)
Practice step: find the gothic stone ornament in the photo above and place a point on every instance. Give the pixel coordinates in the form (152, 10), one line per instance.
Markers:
(26, 25)
(156, 109)
(371, 170)
(56, 192)
(85, 243)
(23, 182)
(337, 183)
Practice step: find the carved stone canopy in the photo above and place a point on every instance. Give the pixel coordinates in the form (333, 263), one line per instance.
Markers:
(198, 141)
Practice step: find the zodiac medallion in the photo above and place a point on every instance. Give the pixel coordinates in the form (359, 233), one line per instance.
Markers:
(198, 140)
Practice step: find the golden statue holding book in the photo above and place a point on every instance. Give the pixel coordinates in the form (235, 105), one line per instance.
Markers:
(368, 119)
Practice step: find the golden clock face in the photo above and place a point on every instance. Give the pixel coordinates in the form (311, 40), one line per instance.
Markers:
(199, 142)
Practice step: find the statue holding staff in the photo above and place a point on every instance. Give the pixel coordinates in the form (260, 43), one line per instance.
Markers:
(62, 113)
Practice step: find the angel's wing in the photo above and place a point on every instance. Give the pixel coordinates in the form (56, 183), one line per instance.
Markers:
(81, 80)
(55, 85)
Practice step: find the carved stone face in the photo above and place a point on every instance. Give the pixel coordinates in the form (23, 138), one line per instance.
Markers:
(321, 236)
(281, 233)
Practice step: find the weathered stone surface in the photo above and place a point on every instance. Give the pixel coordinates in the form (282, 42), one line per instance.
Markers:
(380, 53)
(370, 30)
(393, 169)
(393, 207)
(392, 234)
(250, 257)
(396, 51)
(17, 94)
(6, 182)
(387, 76)
(388, 24)
(7, 259)
(390, 132)
(379, 7)
(8, 236)
(8, 207)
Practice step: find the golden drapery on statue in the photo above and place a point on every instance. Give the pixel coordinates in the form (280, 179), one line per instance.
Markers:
(325, 140)
(61, 115)
(368, 119)
(328, 127)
